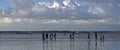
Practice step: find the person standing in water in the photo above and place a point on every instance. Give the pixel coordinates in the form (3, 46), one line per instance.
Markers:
(88, 36)
(103, 37)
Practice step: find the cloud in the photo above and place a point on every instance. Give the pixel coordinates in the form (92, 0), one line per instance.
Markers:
(23, 4)
(6, 20)
(23, 24)
(62, 15)
(96, 10)
(64, 9)
(10, 20)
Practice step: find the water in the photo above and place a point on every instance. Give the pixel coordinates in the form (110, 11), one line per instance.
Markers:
(62, 42)
(58, 45)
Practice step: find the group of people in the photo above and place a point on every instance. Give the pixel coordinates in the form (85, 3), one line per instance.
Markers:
(101, 37)
(48, 36)
(72, 36)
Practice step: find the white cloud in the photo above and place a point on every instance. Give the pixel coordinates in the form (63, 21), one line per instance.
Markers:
(96, 10)
(82, 22)
(11, 20)
(63, 9)
(6, 20)
(60, 9)
(77, 3)
(22, 13)
(44, 4)
(66, 2)
(61, 14)
(56, 5)
(69, 4)
(18, 19)
(54, 24)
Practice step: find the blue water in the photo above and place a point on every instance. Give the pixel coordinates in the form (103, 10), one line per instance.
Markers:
(58, 45)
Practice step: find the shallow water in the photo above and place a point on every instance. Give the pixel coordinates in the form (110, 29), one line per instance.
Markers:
(62, 42)
(58, 45)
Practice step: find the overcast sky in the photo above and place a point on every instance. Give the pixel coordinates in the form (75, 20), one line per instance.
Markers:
(38, 15)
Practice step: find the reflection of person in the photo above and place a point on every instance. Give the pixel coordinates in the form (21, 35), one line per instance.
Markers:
(89, 45)
(102, 41)
(88, 36)
(54, 36)
(96, 45)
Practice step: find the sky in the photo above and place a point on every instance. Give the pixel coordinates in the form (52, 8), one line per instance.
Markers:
(72, 15)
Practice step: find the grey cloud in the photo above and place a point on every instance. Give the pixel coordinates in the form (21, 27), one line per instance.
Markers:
(102, 1)
(48, 24)
(28, 8)
(23, 4)
(78, 9)
(77, 15)
(8, 12)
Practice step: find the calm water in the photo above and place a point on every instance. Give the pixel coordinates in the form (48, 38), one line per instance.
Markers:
(58, 45)
(34, 42)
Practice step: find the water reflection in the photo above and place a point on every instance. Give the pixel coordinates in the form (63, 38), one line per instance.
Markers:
(58, 45)
(96, 45)
(89, 45)
(73, 45)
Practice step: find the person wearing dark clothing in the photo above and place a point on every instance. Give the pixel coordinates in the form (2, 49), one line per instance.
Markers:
(96, 36)
(46, 36)
(43, 36)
